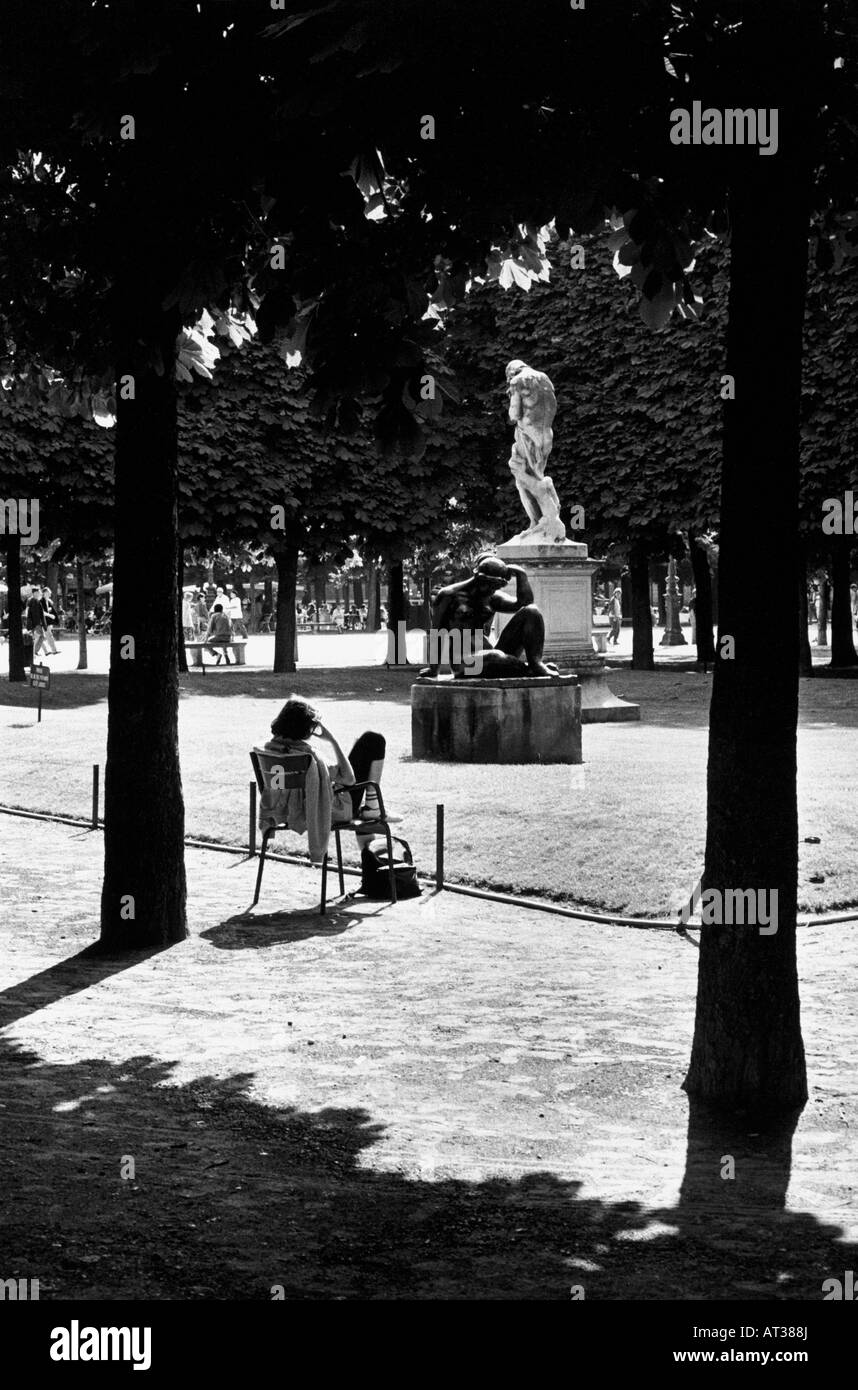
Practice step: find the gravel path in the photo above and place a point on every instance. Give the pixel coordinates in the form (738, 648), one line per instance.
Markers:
(447, 1098)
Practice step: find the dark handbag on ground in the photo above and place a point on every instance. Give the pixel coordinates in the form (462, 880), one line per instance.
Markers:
(375, 877)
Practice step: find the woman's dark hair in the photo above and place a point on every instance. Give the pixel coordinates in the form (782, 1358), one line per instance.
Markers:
(295, 720)
(218, 608)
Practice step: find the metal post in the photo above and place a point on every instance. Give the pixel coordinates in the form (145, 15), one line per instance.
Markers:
(439, 847)
(673, 634)
(251, 823)
(39, 717)
(95, 772)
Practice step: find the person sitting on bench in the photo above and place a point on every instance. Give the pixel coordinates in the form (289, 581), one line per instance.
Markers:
(219, 634)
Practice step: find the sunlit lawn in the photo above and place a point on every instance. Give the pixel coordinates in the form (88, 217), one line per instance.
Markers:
(625, 832)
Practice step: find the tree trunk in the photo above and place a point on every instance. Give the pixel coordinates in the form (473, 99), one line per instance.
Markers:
(17, 670)
(661, 589)
(805, 657)
(642, 657)
(143, 898)
(712, 560)
(80, 581)
(426, 607)
(357, 582)
(181, 654)
(702, 602)
(285, 623)
(373, 597)
(626, 599)
(396, 607)
(842, 646)
(822, 610)
(747, 1051)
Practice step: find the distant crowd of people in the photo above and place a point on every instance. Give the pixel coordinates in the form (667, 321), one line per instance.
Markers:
(813, 598)
(351, 619)
(217, 619)
(221, 620)
(41, 616)
(217, 624)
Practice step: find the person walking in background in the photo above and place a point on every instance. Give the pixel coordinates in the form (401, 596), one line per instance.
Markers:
(188, 615)
(35, 620)
(615, 613)
(50, 617)
(202, 613)
(265, 616)
(853, 590)
(236, 612)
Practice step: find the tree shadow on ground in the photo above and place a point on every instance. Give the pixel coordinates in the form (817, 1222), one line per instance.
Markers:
(79, 972)
(69, 690)
(230, 1198)
(331, 684)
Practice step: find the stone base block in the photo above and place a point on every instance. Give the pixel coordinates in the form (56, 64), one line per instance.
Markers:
(599, 704)
(527, 720)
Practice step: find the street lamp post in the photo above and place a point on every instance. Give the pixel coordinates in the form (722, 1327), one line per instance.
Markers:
(672, 602)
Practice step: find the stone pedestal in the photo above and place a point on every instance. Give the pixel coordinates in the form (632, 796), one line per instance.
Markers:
(526, 720)
(561, 576)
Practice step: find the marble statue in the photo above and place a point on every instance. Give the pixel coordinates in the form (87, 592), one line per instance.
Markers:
(532, 407)
(468, 607)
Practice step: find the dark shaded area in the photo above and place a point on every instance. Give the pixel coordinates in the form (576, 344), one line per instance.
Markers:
(254, 932)
(230, 1197)
(329, 683)
(843, 654)
(642, 653)
(69, 690)
(683, 695)
(12, 548)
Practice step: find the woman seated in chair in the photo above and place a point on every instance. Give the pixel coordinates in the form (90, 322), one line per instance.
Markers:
(294, 726)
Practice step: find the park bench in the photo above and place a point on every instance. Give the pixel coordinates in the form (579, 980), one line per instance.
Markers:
(318, 627)
(196, 649)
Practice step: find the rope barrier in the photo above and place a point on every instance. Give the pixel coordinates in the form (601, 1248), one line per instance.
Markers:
(612, 919)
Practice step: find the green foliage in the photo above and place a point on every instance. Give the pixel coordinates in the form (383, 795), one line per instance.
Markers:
(637, 437)
(65, 461)
(637, 432)
(829, 427)
(252, 441)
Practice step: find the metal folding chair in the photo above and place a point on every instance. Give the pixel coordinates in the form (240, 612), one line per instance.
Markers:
(292, 769)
